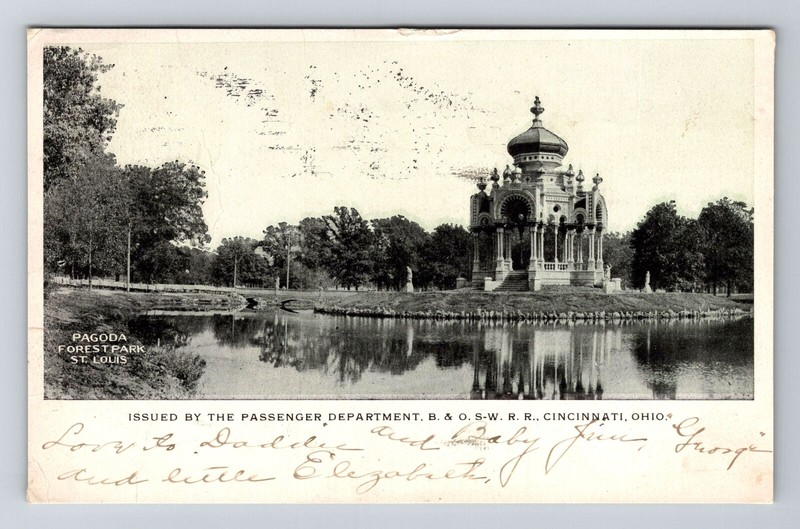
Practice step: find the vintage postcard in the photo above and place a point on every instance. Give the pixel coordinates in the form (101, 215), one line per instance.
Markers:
(400, 266)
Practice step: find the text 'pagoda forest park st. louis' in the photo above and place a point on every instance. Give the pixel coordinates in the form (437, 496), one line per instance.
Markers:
(537, 298)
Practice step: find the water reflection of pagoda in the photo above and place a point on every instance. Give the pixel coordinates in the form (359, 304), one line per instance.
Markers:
(554, 364)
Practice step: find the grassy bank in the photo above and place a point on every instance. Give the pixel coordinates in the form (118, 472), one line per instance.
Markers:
(548, 300)
(156, 373)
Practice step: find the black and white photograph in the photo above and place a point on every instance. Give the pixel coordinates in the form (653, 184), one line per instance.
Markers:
(424, 220)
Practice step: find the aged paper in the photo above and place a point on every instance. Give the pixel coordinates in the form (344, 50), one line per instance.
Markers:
(400, 266)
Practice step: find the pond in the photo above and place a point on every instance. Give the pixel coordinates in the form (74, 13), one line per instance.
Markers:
(284, 355)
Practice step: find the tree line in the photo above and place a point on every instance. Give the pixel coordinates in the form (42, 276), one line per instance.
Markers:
(146, 223)
(711, 253)
(344, 250)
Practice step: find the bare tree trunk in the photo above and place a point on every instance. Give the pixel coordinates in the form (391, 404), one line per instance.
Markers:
(288, 258)
(128, 279)
(91, 242)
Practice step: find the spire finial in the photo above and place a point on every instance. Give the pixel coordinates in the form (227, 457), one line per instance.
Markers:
(597, 180)
(536, 109)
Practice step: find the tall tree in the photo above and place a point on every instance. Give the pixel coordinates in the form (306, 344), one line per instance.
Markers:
(618, 254)
(85, 219)
(237, 263)
(446, 257)
(315, 245)
(351, 239)
(165, 208)
(668, 246)
(280, 244)
(397, 245)
(728, 232)
(78, 120)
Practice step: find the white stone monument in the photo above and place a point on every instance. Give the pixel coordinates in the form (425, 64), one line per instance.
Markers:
(409, 280)
(647, 289)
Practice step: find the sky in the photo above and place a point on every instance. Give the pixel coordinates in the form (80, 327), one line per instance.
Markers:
(292, 128)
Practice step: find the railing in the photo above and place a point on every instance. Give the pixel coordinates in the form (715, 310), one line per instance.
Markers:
(561, 267)
(141, 287)
(241, 289)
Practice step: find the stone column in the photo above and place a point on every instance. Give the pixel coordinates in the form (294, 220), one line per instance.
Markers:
(555, 246)
(591, 248)
(571, 246)
(507, 248)
(540, 233)
(499, 258)
(534, 251)
(476, 256)
(580, 248)
(600, 249)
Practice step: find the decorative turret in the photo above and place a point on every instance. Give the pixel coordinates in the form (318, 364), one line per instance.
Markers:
(569, 175)
(580, 178)
(481, 184)
(494, 178)
(597, 181)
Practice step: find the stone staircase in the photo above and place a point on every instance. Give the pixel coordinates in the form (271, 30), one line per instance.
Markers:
(515, 281)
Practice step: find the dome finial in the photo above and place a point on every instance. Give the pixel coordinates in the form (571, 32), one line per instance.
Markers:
(597, 181)
(536, 110)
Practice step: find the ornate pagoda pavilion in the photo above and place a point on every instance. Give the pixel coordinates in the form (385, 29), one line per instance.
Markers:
(539, 225)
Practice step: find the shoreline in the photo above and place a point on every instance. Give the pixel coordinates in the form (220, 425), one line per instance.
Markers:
(553, 305)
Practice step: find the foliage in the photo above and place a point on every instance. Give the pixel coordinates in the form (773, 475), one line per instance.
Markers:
(728, 239)
(397, 244)
(446, 256)
(183, 365)
(84, 221)
(315, 246)
(279, 244)
(237, 258)
(165, 210)
(350, 240)
(669, 247)
(92, 207)
(78, 121)
(618, 254)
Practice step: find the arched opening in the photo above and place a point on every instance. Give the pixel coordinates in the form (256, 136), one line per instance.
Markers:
(517, 212)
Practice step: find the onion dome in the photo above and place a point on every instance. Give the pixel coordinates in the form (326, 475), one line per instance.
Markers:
(537, 139)
(495, 177)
